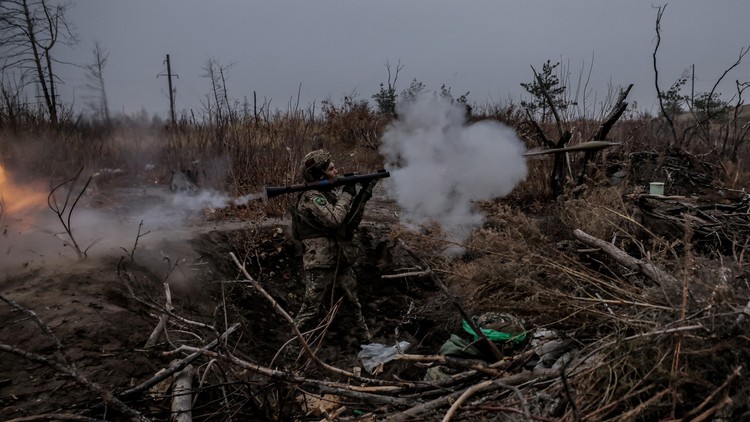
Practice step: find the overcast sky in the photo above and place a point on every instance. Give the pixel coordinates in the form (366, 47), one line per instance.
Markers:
(337, 48)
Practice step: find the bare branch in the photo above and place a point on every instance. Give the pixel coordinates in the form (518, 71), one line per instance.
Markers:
(659, 14)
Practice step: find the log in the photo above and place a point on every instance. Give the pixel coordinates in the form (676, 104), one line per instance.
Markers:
(182, 396)
(622, 258)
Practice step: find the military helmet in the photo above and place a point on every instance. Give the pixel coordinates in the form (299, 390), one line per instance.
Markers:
(315, 164)
(498, 327)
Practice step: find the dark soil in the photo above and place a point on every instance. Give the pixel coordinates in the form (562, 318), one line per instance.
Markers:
(99, 310)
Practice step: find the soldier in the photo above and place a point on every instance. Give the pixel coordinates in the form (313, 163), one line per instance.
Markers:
(325, 221)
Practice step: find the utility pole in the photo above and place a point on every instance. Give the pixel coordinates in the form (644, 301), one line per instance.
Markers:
(692, 88)
(171, 90)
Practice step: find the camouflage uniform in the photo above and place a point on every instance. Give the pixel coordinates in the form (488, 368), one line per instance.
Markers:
(328, 254)
(505, 330)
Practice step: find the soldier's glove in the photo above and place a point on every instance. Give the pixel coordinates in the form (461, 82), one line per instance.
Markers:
(367, 190)
(350, 189)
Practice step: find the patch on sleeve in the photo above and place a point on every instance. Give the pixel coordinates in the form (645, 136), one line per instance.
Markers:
(321, 201)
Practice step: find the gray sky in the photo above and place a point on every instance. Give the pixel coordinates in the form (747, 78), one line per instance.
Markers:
(337, 48)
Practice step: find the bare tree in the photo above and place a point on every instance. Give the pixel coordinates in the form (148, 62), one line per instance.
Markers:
(386, 96)
(29, 30)
(662, 95)
(97, 100)
(221, 110)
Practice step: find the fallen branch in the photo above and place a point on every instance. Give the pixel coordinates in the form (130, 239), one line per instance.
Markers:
(667, 331)
(479, 387)
(380, 385)
(649, 270)
(125, 275)
(54, 417)
(180, 365)
(106, 395)
(736, 373)
(708, 414)
(367, 394)
(472, 364)
(31, 314)
(623, 302)
(415, 411)
(161, 327)
(422, 273)
(370, 398)
(182, 399)
(465, 396)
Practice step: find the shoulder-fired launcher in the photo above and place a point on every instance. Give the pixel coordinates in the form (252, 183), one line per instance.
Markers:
(347, 179)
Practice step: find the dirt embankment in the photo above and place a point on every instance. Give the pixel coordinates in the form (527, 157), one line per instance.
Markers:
(96, 315)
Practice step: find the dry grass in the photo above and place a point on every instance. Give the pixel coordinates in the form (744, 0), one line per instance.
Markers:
(647, 350)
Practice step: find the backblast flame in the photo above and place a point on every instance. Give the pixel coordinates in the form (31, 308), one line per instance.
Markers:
(16, 199)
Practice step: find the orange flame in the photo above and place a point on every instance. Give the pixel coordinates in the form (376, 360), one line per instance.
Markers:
(16, 198)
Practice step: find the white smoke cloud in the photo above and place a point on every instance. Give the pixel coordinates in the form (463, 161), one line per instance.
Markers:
(441, 165)
(162, 224)
(200, 200)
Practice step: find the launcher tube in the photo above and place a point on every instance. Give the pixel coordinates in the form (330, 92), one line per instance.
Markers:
(326, 184)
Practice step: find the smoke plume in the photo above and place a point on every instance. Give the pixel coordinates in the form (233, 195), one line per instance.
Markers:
(441, 165)
(151, 221)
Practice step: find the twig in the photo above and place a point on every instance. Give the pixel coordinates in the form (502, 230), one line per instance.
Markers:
(638, 409)
(569, 391)
(710, 412)
(667, 331)
(135, 243)
(290, 320)
(516, 379)
(177, 367)
(481, 386)
(61, 211)
(465, 396)
(472, 364)
(375, 399)
(623, 302)
(381, 385)
(736, 373)
(659, 93)
(424, 273)
(202, 379)
(688, 263)
(39, 322)
(125, 276)
(161, 327)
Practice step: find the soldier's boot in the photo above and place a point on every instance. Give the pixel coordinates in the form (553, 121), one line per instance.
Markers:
(363, 334)
(291, 353)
